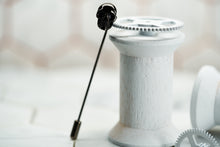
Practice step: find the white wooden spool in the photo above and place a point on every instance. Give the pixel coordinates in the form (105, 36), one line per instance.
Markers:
(205, 102)
(146, 74)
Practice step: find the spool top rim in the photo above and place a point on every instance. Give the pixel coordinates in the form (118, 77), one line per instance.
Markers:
(148, 24)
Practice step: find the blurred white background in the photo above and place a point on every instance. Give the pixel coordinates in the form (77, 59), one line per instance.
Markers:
(57, 34)
(48, 47)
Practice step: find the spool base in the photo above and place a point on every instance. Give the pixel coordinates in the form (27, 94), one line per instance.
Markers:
(130, 137)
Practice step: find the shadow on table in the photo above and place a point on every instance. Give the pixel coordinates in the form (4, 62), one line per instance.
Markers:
(216, 133)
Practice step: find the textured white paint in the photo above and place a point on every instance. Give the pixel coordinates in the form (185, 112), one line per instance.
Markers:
(146, 73)
(146, 88)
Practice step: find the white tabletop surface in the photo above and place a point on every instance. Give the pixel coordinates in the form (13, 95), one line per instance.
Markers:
(38, 108)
